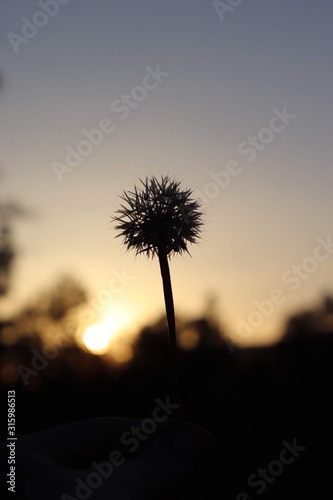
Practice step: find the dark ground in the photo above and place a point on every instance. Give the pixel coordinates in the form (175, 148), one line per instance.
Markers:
(251, 401)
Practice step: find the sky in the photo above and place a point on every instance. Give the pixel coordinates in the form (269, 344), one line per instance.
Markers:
(233, 99)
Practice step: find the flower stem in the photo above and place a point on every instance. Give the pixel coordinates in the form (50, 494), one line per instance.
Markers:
(170, 312)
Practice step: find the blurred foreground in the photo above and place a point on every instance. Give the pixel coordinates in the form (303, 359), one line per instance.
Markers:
(253, 401)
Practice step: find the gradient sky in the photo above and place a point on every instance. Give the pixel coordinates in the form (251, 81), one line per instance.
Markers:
(226, 76)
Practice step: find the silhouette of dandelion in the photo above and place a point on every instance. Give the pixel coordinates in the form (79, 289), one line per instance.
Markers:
(160, 219)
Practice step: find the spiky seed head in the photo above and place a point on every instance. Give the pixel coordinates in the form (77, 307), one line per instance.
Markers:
(158, 216)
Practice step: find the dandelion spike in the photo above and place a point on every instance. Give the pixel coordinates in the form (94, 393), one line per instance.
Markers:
(160, 219)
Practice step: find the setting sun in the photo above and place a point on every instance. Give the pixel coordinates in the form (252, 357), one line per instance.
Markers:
(111, 335)
(97, 338)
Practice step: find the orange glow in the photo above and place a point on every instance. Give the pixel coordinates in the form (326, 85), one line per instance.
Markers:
(97, 338)
(189, 338)
(110, 335)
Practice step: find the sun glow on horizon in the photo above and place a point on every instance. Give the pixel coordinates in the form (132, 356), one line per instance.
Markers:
(111, 335)
(97, 338)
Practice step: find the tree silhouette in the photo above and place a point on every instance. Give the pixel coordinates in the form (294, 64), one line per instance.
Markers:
(8, 212)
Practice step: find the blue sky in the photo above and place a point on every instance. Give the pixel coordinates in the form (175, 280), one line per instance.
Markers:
(225, 78)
